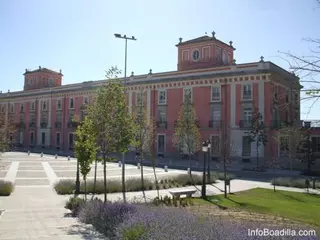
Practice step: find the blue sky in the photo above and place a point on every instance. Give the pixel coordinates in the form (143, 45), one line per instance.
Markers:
(77, 35)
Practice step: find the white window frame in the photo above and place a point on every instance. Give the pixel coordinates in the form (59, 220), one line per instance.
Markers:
(249, 147)
(165, 94)
(73, 100)
(215, 87)
(31, 134)
(242, 91)
(186, 88)
(33, 103)
(188, 55)
(84, 100)
(247, 114)
(165, 141)
(193, 50)
(59, 100)
(162, 114)
(213, 110)
(58, 145)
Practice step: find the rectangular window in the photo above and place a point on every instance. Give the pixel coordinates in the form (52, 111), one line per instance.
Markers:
(246, 146)
(215, 145)
(187, 95)
(162, 117)
(71, 140)
(31, 138)
(11, 107)
(85, 100)
(316, 144)
(215, 93)
(161, 143)
(21, 107)
(216, 114)
(71, 103)
(139, 98)
(43, 138)
(57, 139)
(32, 106)
(162, 97)
(247, 92)
(218, 54)
(247, 115)
(44, 105)
(59, 105)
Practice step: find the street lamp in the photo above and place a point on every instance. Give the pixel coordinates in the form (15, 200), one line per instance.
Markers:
(204, 150)
(117, 35)
(209, 168)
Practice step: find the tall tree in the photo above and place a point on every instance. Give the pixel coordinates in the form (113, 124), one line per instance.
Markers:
(145, 133)
(186, 136)
(105, 113)
(7, 128)
(258, 134)
(85, 149)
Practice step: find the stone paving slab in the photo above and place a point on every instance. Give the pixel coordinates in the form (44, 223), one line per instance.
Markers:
(30, 164)
(33, 167)
(31, 174)
(3, 174)
(28, 182)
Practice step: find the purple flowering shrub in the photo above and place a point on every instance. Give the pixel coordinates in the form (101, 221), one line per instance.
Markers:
(142, 222)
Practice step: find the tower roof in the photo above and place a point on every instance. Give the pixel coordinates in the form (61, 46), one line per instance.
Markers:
(40, 69)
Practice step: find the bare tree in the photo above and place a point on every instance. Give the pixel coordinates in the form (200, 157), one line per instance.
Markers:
(145, 134)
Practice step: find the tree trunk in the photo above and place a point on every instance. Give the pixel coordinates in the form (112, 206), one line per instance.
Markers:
(85, 188)
(155, 176)
(123, 179)
(190, 162)
(105, 176)
(142, 179)
(95, 178)
(274, 184)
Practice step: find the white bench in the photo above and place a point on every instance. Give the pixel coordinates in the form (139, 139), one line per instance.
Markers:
(178, 193)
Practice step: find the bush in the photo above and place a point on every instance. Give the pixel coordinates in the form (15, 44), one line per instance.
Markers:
(172, 201)
(105, 216)
(74, 204)
(6, 188)
(65, 186)
(293, 182)
(220, 175)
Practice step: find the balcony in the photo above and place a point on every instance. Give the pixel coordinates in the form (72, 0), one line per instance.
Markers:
(161, 124)
(215, 124)
(245, 124)
(58, 124)
(43, 125)
(73, 124)
(32, 124)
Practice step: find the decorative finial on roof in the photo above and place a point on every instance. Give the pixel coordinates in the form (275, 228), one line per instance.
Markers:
(132, 74)
(60, 71)
(40, 67)
(234, 62)
(213, 34)
(180, 40)
(231, 43)
(26, 70)
(150, 71)
(261, 59)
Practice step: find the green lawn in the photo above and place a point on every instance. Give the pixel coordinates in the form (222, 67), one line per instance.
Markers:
(292, 205)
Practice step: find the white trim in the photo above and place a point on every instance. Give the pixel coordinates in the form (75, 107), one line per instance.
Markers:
(184, 88)
(70, 103)
(193, 50)
(188, 54)
(165, 101)
(165, 141)
(84, 98)
(242, 88)
(211, 92)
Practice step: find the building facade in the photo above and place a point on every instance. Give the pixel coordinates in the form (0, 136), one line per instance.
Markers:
(222, 91)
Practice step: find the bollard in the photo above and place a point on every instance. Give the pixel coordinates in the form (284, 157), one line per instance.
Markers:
(189, 171)
(41, 154)
(138, 165)
(68, 158)
(166, 168)
(56, 156)
(119, 163)
(28, 152)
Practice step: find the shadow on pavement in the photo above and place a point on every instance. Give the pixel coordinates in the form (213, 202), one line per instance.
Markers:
(86, 231)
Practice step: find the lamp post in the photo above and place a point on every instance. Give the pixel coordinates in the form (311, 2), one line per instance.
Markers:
(204, 150)
(209, 160)
(117, 35)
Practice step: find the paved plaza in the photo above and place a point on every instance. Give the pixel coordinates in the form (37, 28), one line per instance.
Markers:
(34, 210)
